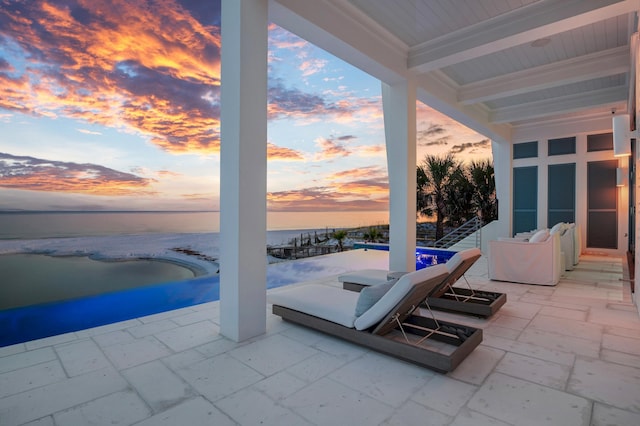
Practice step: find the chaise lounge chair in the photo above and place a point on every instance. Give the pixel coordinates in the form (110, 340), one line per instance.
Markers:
(392, 325)
(443, 297)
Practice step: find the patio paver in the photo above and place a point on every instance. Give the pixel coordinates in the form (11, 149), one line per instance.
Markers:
(564, 355)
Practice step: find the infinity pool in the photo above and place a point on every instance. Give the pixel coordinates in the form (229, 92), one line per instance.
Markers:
(32, 279)
(48, 319)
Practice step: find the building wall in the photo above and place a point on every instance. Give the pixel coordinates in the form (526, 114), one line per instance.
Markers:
(581, 157)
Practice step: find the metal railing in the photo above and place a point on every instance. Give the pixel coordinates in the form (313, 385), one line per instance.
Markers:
(460, 233)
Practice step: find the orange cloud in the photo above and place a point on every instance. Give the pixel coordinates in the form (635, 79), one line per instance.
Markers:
(312, 66)
(359, 173)
(168, 174)
(28, 173)
(330, 149)
(371, 151)
(364, 188)
(279, 153)
(143, 67)
(281, 39)
(321, 199)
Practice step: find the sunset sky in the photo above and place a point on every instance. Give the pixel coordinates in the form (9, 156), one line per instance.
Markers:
(114, 105)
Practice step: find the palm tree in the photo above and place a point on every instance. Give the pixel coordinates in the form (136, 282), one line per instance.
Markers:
(435, 172)
(460, 197)
(373, 235)
(483, 179)
(422, 204)
(340, 235)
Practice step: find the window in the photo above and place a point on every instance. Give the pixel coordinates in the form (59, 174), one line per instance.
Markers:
(525, 150)
(525, 199)
(561, 193)
(562, 146)
(601, 142)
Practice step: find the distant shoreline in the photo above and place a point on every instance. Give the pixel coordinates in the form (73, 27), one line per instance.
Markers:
(103, 211)
(45, 224)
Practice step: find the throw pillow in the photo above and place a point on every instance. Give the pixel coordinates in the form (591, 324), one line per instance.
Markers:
(557, 228)
(539, 236)
(369, 296)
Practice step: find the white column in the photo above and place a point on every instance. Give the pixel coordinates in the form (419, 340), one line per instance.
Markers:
(243, 169)
(399, 107)
(502, 167)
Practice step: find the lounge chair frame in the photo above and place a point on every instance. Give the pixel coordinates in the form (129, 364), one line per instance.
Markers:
(404, 332)
(445, 297)
(465, 300)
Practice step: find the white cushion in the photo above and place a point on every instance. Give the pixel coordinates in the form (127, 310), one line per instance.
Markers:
(557, 228)
(522, 262)
(539, 236)
(365, 277)
(369, 296)
(460, 257)
(395, 294)
(326, 302)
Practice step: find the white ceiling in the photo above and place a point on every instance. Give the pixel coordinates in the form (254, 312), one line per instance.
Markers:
(479, 60)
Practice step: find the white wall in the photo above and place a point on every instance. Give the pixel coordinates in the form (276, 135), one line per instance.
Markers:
(580, 158)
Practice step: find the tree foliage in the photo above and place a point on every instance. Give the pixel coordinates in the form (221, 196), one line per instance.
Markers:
(454, 192)
(483, 179)
(373, 234)
(340, 235)
(459, 196)
(436, 173)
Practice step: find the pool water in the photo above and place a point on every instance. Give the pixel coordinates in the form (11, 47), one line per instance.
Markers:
(425, 259)
(30, 279)
(425, 256)
(25, 323)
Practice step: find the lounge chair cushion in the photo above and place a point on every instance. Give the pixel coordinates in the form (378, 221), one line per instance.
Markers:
(539, 236)
(460, 257)
(331, 303)
(397, 292)
(365, 277)
(339, 306)
(370, 295)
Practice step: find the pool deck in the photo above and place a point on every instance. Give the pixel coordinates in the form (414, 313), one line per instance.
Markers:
(563, 355)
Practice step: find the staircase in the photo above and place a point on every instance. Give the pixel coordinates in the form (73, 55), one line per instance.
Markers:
(467, 235)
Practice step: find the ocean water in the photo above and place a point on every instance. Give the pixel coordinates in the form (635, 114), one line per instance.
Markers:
(34, 225)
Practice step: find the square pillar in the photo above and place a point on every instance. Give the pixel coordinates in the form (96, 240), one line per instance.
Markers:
(399, 108)
(243, 169)
(503, 169)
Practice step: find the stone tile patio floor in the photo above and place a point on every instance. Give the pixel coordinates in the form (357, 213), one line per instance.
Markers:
(564, 355)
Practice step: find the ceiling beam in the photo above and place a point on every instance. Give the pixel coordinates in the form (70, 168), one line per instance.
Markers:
(523, 25)
(587, 67)
(559, 105)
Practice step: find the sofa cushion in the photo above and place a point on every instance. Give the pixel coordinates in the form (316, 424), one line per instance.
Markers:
(539, 236)
(558, 227)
